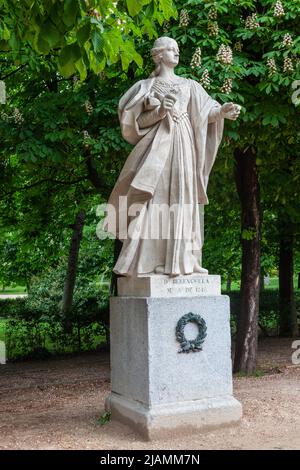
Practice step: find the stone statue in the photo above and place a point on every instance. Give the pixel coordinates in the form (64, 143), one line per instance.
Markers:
(176, 128)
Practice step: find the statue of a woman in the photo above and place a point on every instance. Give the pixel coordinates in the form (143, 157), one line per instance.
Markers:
(176, 128)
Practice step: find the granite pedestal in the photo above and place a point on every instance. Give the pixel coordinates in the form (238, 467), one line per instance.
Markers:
(156, 389)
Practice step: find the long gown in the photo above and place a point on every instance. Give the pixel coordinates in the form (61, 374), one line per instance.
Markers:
(165, 232)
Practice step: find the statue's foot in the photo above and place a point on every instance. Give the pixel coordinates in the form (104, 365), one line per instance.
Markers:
(199, 269)
(159, 270)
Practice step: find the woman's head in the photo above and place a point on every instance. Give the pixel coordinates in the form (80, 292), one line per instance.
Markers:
(165, 50)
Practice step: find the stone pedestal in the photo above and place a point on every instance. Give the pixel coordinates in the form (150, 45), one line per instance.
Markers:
(155, 388)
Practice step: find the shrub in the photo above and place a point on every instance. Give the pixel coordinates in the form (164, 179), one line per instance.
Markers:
(34, 324)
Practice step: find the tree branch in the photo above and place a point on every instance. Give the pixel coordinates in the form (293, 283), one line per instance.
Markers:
(47, 180)
(94, 176)
(13, 72)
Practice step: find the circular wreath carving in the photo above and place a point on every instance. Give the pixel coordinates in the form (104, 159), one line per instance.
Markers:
(194, 345)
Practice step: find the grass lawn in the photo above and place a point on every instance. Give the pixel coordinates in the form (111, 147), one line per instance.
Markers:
(273, 284)
(13, 290)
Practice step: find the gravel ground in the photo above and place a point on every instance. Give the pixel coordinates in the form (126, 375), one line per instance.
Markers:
(55, 404)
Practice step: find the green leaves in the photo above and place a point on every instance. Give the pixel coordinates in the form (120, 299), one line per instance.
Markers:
(83, 34)
(71, 10)
(68, 56)
(168, 8)
(97, 40)
(4, 31)
(128, 54)
(50, 33)
(249, 234)
(135, 6)
(46, 37)
(41, 44)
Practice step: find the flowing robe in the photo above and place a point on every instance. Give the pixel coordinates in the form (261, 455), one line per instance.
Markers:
(168, 167)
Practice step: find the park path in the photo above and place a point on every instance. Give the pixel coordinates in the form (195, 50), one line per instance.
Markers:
(12, 296)
(55, 404)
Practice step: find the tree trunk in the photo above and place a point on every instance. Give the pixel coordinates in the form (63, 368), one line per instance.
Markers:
(72, 270)
(114, 277)
(247, 326)
(287, 307)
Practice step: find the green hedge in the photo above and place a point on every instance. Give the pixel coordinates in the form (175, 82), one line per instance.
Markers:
(33, 326)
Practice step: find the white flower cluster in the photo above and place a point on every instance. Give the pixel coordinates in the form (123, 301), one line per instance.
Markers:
(288, 65)
(88, 107)
(2, 92)
(213, 14)
(238, 47)
(205, 79)
(95, 13)
(166, 26)
(213, 28)
(196, 59)
(287, 40)
(279, 10)
(86, 137)
(271, 66)
(4, 117)
(76, 82)
(17, 116)
(251, 22)
(184, 18)
(227, 86)
(224, 55)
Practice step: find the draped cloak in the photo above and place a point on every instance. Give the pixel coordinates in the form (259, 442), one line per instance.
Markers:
(144, 166)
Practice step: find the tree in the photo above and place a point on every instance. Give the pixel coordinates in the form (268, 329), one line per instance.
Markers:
(249, 194)
(60, 139)
(67, 300)
(53, 165)
(246, 52)
(80, 35)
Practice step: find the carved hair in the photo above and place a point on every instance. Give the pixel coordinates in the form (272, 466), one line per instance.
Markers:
(159, 45)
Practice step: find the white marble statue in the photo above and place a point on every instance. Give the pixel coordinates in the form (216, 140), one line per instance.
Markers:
(176, 128)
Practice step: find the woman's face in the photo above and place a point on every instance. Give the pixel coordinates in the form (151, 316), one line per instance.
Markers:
(170, 54)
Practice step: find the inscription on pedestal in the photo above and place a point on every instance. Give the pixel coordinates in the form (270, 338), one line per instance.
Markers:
(194, 285)
(188, 286)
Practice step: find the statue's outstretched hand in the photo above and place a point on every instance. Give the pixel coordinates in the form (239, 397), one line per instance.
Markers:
(230, 111)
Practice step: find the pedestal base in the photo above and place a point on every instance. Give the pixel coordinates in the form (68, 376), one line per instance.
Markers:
(166, 420)
(158, 387)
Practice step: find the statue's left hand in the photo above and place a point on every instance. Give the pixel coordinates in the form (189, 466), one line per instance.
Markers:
(230, 111)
